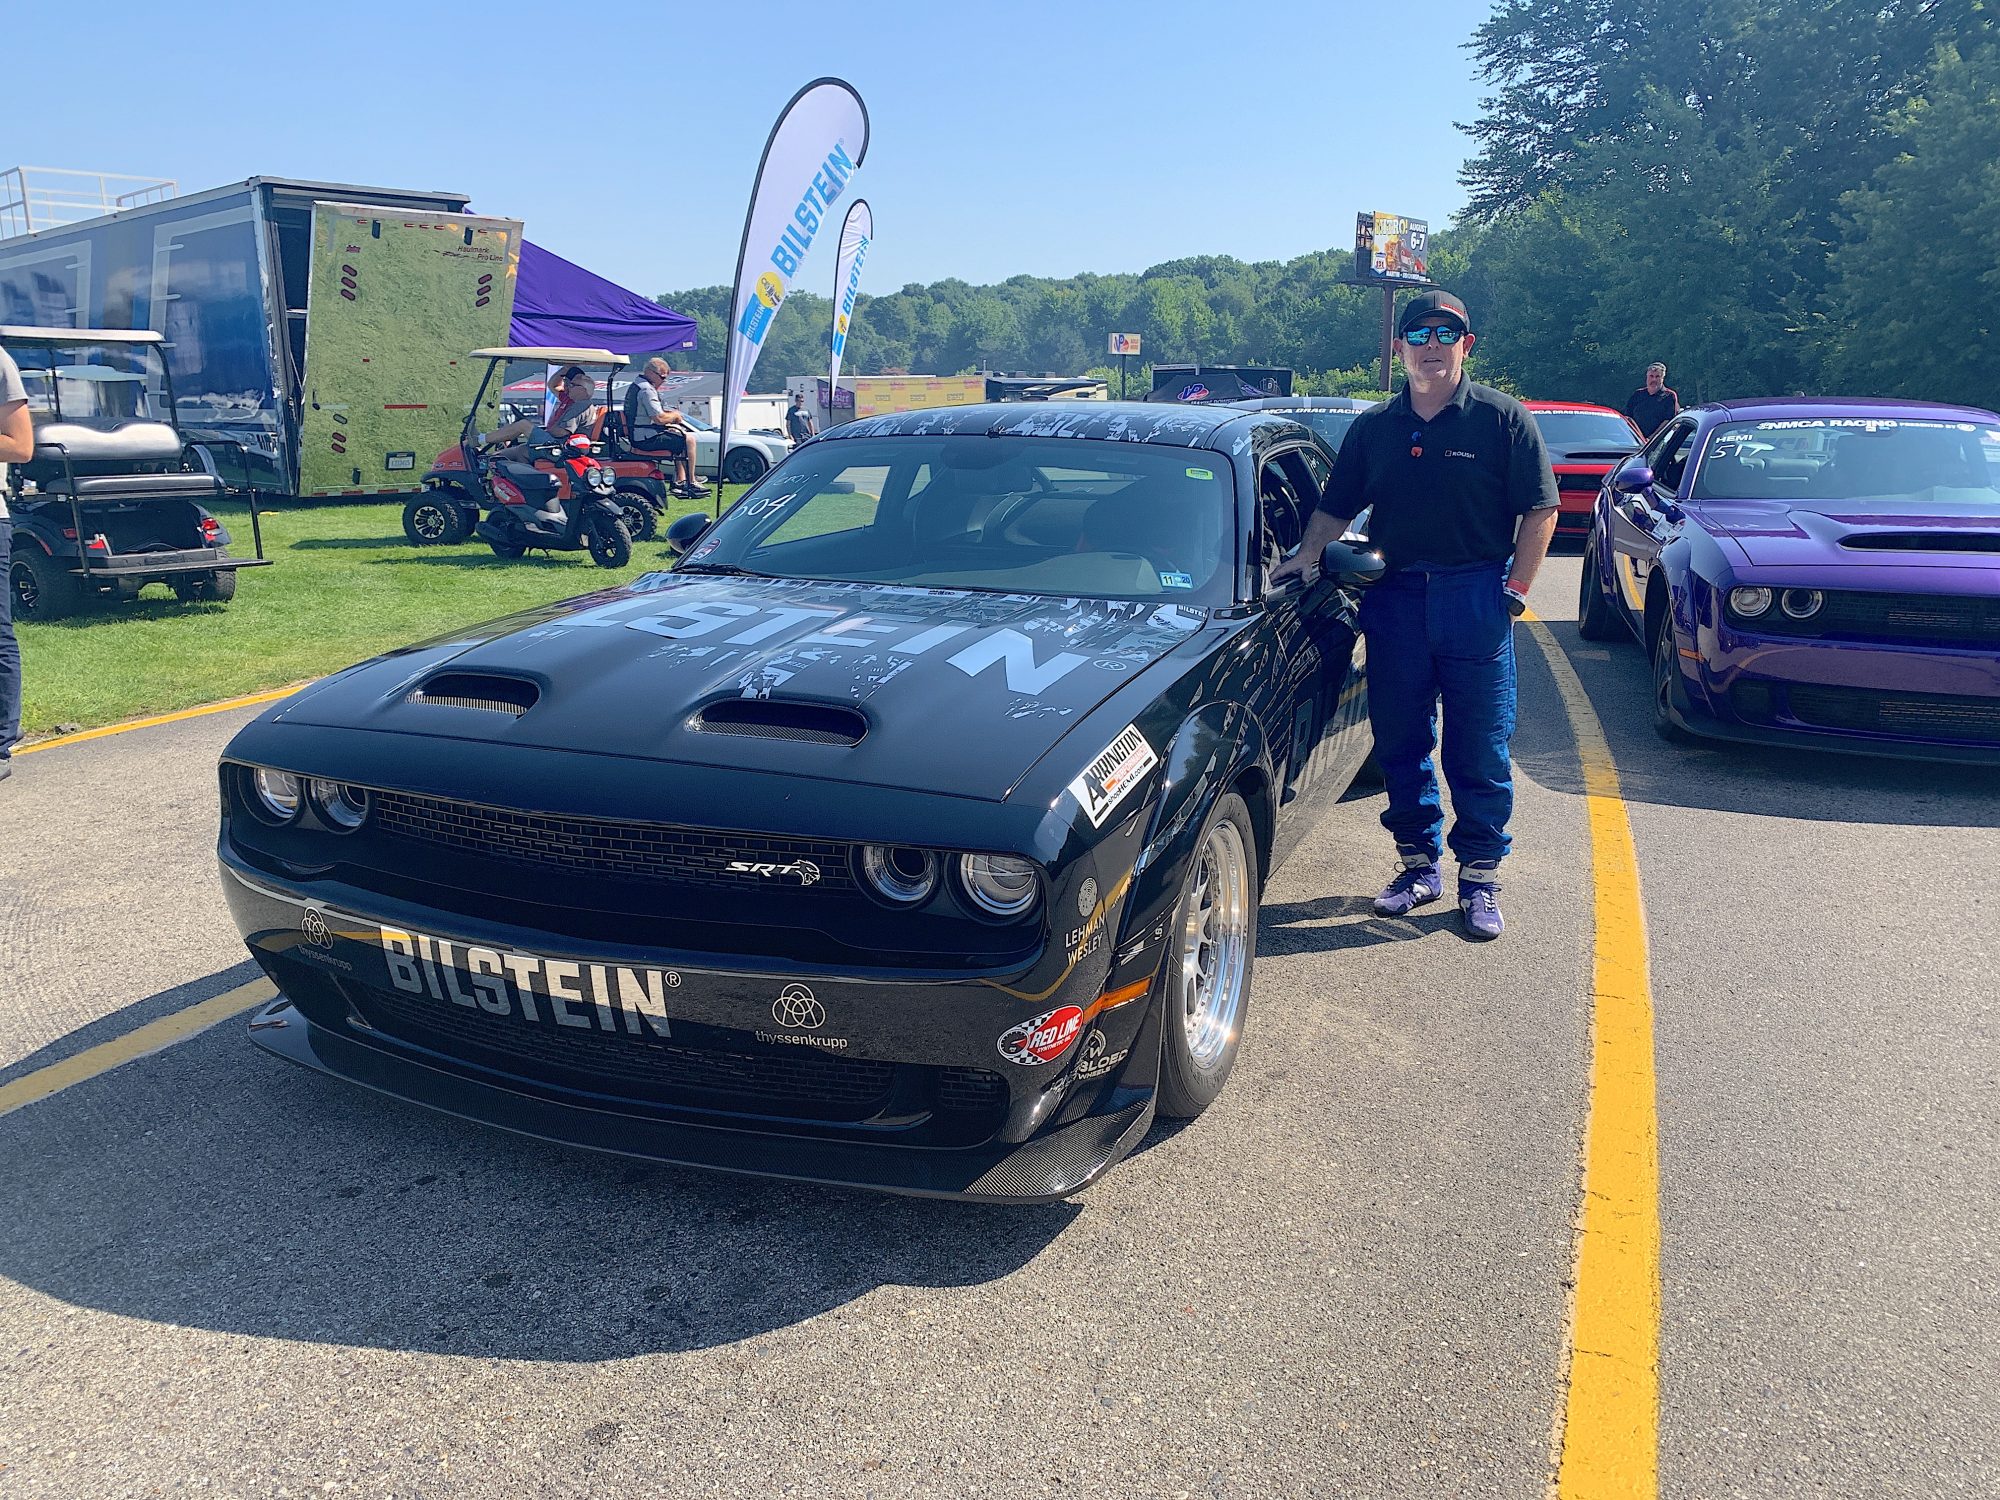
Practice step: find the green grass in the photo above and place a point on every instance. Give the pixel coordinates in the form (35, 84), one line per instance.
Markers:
(345, 585)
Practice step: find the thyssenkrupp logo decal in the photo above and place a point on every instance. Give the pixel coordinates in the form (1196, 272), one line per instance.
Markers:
(796, 1007)
(313, 925)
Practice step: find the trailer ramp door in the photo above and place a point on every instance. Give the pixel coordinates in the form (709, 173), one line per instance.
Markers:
(394, 304)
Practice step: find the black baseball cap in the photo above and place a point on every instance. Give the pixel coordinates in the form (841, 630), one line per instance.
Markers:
(1430, 304)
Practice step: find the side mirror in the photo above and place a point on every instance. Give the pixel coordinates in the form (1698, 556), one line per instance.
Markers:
(1351, 566)
(1632, 477)
(685, 532)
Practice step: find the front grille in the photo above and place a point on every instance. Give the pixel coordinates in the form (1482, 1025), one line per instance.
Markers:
(1932, 716)
(601, 848)
(795, 1081)
(971, 1090)
(1936, 619)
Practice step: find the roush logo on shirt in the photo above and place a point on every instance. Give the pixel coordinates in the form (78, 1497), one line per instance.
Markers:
(1459, 453)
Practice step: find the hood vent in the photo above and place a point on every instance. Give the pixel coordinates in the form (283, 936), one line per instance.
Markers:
(1923, 541)
(512, 696)
(784, 719)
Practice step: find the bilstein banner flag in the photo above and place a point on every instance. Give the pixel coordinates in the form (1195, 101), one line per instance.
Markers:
(857, 233)
(820, 140)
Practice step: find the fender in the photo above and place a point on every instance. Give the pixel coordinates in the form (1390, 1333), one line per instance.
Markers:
(1203, 761)
(653, 489)
(49, 538)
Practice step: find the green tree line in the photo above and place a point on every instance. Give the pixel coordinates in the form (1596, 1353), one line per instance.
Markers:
(1770, 197)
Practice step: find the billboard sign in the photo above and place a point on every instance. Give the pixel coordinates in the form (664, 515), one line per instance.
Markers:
(1124, 343)
(1391, 248)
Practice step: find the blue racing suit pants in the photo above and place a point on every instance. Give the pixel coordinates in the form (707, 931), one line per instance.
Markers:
(10, 650)
(1443, 634)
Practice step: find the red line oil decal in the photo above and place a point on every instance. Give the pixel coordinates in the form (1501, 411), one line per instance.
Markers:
(1042, 1040)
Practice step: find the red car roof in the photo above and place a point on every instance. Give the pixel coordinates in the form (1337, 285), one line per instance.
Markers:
(1571, 406)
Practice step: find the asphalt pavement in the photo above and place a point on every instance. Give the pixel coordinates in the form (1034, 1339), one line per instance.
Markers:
(222, 1275)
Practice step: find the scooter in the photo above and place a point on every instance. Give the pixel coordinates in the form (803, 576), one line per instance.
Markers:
(455, 490)
(571, 506)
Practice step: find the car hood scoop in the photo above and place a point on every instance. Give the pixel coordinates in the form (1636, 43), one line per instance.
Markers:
(1939, 530)
(940, 690)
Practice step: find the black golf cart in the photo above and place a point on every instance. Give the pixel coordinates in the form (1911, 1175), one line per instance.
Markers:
(111, 500)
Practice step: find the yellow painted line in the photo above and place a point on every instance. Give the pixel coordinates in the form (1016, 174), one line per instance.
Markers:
(173, 718)
(154, 1036)
(1610, 1436)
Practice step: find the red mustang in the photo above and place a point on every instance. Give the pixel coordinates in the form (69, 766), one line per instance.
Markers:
(1584, 443)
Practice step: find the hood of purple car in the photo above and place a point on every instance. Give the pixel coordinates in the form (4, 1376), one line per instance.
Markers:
(1907, 531)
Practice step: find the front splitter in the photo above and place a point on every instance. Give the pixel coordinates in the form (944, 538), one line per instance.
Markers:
(1044, 1169)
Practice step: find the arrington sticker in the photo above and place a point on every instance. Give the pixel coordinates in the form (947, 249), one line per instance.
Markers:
(1042, 1040)
(1109, 779)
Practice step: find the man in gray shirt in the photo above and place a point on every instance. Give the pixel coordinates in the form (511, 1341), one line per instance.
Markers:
(653, 427)
(17, 446)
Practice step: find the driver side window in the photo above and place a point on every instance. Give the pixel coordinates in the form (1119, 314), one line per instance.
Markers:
(1287, 495)
(1670, 456)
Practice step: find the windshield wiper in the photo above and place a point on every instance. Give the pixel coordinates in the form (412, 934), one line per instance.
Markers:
(727, 570)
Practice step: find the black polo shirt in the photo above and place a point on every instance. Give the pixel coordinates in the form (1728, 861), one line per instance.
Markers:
(1649, 412)
(1449, 491)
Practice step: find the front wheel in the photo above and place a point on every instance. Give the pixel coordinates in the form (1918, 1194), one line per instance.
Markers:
(1593, 615)
(1666, 668)
(745, 466)
(642, 522)
(610, 544)
(1205, 988)
(435, 520)
(43, 588)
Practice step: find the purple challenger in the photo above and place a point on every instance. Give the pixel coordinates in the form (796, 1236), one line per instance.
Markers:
(1808, 571)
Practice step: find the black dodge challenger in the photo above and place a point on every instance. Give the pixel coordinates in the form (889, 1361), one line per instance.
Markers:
(908, 834)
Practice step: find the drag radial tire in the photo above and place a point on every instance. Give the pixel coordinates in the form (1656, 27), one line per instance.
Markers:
(43, 588)
(1666, 667)
(610, 544)
(1204, 983)
(218, 587)
(1593, 615)
(436, 518)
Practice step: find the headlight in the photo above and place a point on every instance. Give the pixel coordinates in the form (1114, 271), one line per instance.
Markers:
(999, 884)
(899, 875)
(601, 479)
(276, 795)
(1749, 602)
(1802, 604)
(343, 807)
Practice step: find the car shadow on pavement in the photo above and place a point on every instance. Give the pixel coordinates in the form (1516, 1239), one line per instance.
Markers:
(210, 1186)
(1774, 781)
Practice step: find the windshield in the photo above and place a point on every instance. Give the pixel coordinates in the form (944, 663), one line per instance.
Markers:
(1852, 458)
(1587, 432)
(80, 382)
(1013, 515)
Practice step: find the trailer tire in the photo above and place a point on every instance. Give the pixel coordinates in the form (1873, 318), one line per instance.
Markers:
(218, 587)
(43, 589)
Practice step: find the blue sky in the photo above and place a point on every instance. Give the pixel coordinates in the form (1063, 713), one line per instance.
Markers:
(1030, 138)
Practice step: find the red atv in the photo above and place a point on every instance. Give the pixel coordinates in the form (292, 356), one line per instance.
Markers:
(457, 491)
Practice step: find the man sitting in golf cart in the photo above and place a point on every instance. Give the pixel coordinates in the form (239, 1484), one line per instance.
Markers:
(575, 412)
(653, 428)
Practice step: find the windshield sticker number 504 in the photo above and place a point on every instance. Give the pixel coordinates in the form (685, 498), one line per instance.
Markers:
(1109, 779)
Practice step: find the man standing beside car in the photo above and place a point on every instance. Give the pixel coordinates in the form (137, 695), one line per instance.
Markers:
(17, 446)
(798, 421)
(1653, 405)
(1462, 503)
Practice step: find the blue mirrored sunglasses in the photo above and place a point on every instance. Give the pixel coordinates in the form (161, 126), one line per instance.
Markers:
(1421, 336)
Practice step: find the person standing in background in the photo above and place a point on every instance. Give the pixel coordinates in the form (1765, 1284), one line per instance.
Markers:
(17, 446)
(1653, 405)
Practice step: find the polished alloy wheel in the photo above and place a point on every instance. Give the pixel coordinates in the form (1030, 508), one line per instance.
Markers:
(1215, 945)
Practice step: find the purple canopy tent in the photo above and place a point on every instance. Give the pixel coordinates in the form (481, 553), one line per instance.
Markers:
(557, 302)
